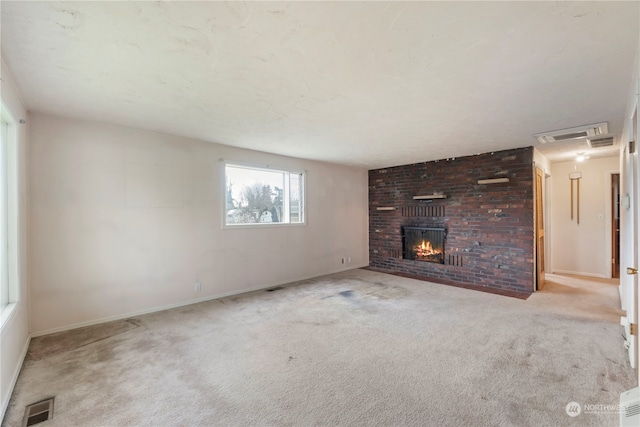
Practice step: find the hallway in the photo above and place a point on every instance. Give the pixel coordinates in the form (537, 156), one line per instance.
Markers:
(581, 296)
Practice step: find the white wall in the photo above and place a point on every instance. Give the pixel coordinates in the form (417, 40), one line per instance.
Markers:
(126, 221)
(15, 329)
(585, 248)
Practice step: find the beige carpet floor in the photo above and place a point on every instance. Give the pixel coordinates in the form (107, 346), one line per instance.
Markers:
(355, 348)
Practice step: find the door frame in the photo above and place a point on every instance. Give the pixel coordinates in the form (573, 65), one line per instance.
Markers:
(614, 229)
(539, 219)
(608, 219)
(635, 202)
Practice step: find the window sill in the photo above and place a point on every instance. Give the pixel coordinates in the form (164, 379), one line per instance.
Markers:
(7, 313)
(263, 225)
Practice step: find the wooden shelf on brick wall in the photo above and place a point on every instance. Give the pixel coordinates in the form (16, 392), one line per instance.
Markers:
(430, 197)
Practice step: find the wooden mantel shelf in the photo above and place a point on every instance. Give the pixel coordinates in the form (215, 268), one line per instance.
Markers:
(430, 196)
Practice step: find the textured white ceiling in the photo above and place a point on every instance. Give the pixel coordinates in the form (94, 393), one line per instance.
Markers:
(372, 84)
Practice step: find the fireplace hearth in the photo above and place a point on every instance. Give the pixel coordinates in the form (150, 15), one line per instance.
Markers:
(423, 244)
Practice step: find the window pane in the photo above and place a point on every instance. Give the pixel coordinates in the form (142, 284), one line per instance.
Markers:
(295, 194)
(4, 273)
(256, 195)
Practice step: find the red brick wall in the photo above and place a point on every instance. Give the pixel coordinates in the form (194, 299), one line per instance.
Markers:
(490, 229)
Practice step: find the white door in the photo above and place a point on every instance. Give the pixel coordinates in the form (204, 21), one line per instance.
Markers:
(630, 187)
(633, 263)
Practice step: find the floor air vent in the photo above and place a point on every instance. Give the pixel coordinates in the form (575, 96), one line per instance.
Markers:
(38, 412)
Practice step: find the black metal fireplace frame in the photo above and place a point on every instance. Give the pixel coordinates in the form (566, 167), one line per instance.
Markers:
(407, 253)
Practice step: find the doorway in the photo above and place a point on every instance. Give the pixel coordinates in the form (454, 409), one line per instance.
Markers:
(615, 225)
(540, 248)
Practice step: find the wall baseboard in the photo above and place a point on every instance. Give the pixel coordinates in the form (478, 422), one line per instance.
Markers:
(580, 273)
(14, 379)
(181, 304)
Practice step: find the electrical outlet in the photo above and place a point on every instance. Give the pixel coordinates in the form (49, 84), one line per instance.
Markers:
(196, 287)
(349, 260)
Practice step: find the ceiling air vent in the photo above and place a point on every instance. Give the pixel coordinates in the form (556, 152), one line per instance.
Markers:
(579, 132)
(601, 142)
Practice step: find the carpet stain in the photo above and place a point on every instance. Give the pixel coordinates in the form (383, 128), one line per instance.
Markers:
(134, 322)
(145, 345)
(388, 292)
(69, 368)
(347, 294)
(104, 354)
(49, 345)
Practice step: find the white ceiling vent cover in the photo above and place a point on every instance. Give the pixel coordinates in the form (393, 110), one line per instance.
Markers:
(601, 142)
(579, 132)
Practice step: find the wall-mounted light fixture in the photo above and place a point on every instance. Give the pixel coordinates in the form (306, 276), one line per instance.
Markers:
(575, 176)
(385, 208)
(493, 181)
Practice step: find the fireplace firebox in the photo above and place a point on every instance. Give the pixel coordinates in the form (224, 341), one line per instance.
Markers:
(423, 244)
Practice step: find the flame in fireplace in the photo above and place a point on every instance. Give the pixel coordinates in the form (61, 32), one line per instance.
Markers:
(425, 250)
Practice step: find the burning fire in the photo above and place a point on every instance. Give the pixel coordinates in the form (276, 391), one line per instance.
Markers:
(425, 249)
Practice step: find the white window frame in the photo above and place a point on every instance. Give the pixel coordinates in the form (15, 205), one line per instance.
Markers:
(286, 191)
(4, 227)
(9, 213)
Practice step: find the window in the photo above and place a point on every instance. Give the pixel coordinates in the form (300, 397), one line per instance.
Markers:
(9, 280)
(5, 297)
(263, 195)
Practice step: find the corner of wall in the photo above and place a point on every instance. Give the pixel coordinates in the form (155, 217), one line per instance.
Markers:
(541, 161)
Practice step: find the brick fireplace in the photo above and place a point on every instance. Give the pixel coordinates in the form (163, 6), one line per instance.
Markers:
(486, 227)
